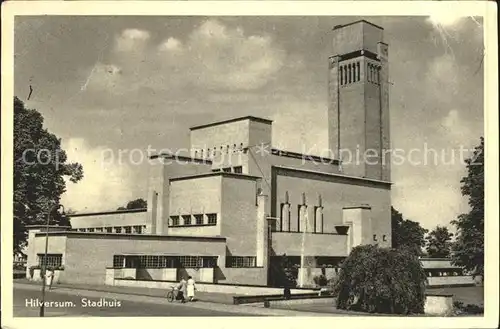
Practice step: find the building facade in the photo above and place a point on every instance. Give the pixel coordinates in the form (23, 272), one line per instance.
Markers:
(229, 210)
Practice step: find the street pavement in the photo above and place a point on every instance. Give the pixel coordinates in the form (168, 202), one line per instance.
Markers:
(79, 302)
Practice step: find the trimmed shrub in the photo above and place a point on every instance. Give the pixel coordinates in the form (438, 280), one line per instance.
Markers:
(381, 280)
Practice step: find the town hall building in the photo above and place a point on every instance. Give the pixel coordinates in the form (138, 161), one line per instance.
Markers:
(229, 210)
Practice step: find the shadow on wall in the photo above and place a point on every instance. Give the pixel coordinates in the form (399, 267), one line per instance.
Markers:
(143, 274)
(218, 275)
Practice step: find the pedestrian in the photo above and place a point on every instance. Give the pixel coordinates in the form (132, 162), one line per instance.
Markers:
(181, 290)
(49, 277)
(191, 287)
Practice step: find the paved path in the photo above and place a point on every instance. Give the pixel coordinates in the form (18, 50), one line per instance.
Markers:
(130, 305)
(139, 291)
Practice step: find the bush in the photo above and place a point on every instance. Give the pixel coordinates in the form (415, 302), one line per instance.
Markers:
(381, 280)
(467, 309)
(320, 280)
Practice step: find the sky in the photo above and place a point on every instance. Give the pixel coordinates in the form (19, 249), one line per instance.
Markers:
(107, 85)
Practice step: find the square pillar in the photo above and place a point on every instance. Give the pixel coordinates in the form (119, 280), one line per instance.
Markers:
(158, 199)
(359, 220)
(285, 218)
(262, 236)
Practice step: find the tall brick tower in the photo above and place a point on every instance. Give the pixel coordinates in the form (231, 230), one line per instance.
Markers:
(358, 109)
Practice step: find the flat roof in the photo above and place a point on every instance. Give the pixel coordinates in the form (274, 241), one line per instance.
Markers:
(216, 173)
(45, 226)
(249, 117)
(356, 22)
(111, 212)
(187, 158)
(297, 155)
(131, 235)
(361, 179)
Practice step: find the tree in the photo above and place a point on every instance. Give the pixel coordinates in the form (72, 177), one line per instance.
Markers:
(406, 233)
(40, 166)
(135, 204)
(381, 280)
(468, 248)
(439, 242)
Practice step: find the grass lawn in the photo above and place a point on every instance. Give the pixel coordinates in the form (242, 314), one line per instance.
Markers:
(466, 295)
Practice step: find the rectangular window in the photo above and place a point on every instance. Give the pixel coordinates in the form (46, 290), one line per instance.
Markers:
(91, 229)
(241, 261)
(53, 260)
(212, 219)
(191, 261)
(216, 170)
(238, 170)
(186, 219)
(209, 262)
(99, 229)
(318, 220)
(226, 169)
(174, 220)
(118, 230)
(199, 219)
(128, 229)
(109, 229)
(118, 260)
(153, 261)
(138, 229)
(81, 230)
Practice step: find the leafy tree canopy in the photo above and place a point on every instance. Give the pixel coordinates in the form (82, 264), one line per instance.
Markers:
(407, 234)
(135, 204)
(40, 166)
(381, 280)
(439, 242)
(468, 249)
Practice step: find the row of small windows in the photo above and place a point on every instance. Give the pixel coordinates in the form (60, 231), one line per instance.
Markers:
(211, 152)
(197, 219)
(154, 261)
(440, 272)
(350, 73)
(241, 261)
(52, 260)
(373, 73)
(135, 229)
(236, 170)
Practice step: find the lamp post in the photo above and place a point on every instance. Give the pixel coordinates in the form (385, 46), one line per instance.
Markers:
(44, 263)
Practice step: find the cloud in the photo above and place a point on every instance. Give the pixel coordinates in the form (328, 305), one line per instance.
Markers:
(213, 57)
(451, 120)
(444, 19)
(443, 77)
(218, 57)
(105, 186)
(131, 40)
(457, 130)
(171, 44)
